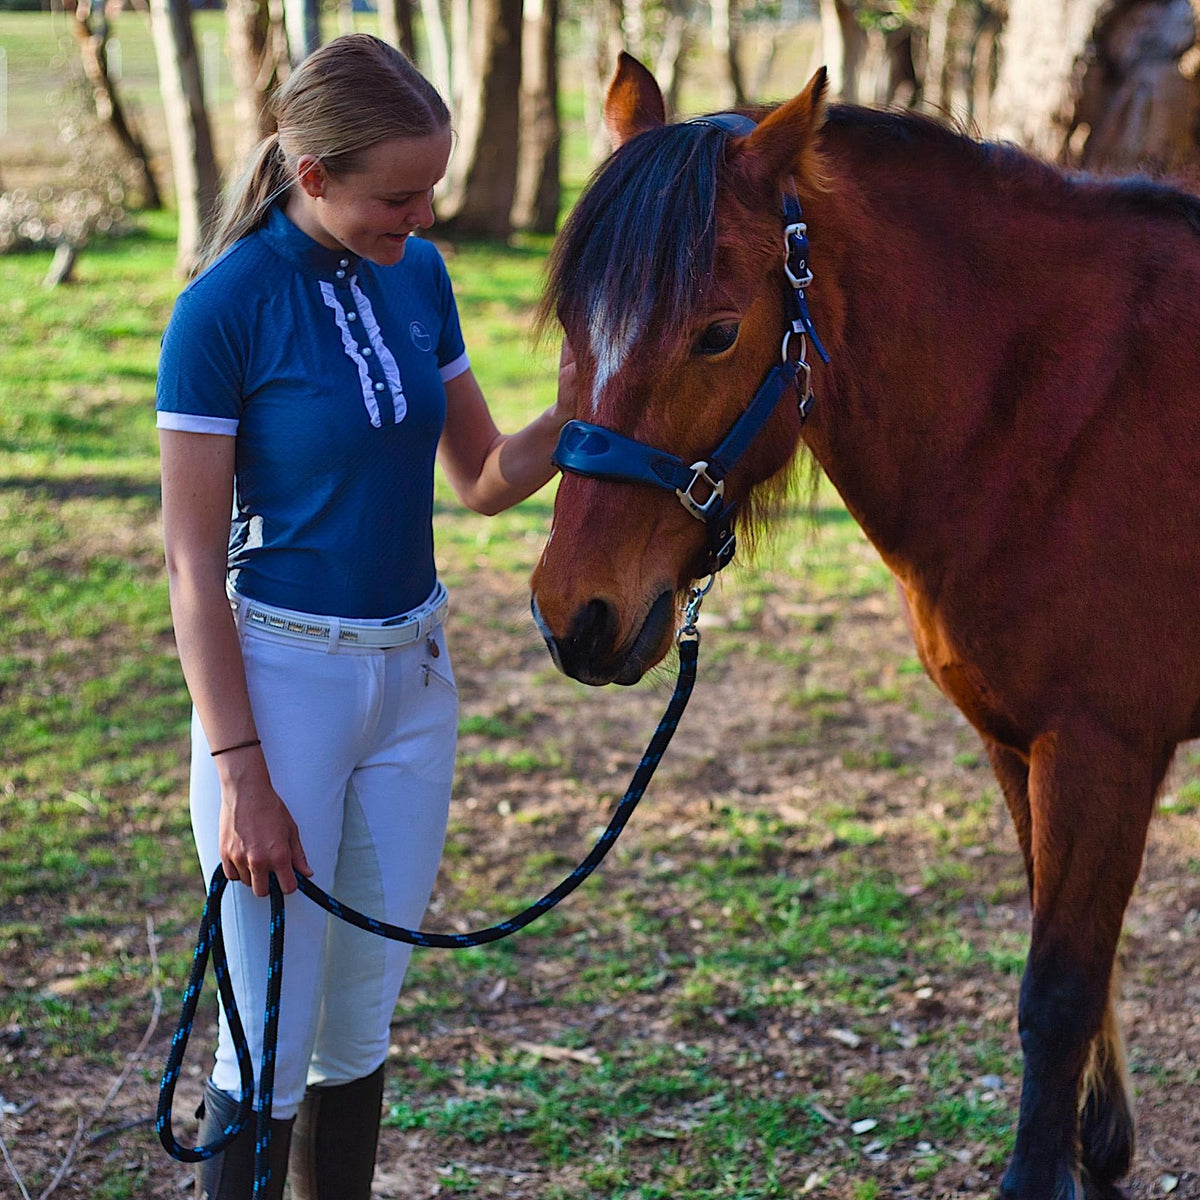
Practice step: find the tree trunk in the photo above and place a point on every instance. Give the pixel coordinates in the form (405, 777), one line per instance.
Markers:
(197, 180)
(462, 52)
(62, 265)
(845, 44)
(1041, 53)
(1139, 108)
(257, 56)
(936, 85)
(437, 47)
(897, 81)
(302, 19)
(396, 25)
(676, 42)
(91, 32)
(1098, 82)
(482, 188)
(602, 24)
(984, 64)
(726, 40)
(538, 188)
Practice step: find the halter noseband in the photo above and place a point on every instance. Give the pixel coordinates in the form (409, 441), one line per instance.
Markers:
(599, 453)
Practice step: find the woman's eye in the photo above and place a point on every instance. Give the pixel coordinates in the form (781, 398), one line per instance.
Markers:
(717, 338)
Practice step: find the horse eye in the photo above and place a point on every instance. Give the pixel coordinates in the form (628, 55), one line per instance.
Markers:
(718, 338)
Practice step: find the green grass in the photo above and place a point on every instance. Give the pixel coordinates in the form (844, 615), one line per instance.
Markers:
(750, 976)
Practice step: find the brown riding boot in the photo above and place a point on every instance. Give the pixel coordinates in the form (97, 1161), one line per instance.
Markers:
(333, 1146)
(230, 1174)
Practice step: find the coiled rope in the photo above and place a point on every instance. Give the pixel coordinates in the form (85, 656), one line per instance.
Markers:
(210, 942)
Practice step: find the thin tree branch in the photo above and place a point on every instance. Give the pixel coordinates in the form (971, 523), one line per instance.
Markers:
(12, 1169)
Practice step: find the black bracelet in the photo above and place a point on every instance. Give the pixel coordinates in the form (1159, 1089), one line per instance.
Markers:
(237, 746)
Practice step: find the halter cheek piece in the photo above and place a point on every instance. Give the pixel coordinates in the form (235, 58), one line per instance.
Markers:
(599, 453)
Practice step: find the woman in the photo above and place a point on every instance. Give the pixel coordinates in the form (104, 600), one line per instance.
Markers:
(308, 377)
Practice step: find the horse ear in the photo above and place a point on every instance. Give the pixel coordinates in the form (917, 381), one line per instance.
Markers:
(633, 103)
(783, 138)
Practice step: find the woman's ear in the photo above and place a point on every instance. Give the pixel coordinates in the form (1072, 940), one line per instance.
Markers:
(312, 176)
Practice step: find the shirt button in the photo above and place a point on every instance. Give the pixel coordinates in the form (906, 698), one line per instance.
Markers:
(343, 262)
(352, 316)
(366, 352)
(379, 387)
(340, 274)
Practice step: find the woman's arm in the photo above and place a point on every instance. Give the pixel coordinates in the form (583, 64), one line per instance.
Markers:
(491, 471)
(257, 833)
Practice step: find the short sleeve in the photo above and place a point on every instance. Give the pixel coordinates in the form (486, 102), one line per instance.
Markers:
(451, 350)
(200, 368)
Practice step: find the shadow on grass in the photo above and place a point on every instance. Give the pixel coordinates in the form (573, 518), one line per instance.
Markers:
(83, 487)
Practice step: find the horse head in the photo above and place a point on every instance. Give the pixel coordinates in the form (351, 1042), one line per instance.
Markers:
(669, 281)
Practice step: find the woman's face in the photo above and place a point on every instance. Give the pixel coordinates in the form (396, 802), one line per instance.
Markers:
(371, 211)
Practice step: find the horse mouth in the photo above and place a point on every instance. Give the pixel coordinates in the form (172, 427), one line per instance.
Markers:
(589, 652)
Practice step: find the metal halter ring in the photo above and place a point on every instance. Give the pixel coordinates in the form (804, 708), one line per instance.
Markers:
(701, 509)
(691, 614)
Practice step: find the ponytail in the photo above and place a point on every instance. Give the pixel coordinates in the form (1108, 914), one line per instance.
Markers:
(245, 205)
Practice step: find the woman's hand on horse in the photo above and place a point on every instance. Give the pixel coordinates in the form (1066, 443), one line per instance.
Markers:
(257, 834)
(566, 402)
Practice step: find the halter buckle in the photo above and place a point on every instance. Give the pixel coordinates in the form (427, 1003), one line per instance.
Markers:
(797, 230)
(700, 509)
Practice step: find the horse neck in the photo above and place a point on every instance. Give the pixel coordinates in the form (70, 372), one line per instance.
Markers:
(914, 297)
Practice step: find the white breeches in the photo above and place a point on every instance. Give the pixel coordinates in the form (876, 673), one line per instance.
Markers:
(360, 745)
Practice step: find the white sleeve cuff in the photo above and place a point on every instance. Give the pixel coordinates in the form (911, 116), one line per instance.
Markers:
(193, 423)
(453, 369)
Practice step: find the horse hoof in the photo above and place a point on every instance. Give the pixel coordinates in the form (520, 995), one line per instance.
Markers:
(1066, 1185)
(1093, 1189)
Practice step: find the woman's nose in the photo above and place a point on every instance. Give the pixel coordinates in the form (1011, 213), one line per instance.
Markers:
(425, 217)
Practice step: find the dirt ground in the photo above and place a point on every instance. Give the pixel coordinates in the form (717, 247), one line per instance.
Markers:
(738, 744)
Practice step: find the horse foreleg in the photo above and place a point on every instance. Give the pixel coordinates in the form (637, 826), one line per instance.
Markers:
(1090, 801)
(1012, 771)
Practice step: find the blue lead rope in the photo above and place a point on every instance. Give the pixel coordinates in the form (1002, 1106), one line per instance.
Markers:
(211, 942)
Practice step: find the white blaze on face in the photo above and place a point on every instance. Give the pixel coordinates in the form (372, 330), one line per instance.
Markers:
(613, 336)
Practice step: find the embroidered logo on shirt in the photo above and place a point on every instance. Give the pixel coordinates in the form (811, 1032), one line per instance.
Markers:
(420, 337)
(369, 326)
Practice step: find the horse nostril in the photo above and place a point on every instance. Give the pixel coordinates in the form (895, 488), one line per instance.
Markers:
(593, 632)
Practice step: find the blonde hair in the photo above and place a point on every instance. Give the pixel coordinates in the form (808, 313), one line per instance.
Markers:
(346, 97)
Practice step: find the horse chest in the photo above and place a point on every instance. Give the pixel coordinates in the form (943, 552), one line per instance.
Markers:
(958, 674)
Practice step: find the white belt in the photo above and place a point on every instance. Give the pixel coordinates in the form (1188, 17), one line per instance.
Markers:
(398, 631)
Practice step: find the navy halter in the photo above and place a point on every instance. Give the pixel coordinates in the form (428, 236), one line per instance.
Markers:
(599, 453)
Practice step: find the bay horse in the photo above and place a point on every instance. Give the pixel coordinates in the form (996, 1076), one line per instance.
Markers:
(1011, 412)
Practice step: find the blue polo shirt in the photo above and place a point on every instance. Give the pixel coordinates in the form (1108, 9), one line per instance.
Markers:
(329, 372)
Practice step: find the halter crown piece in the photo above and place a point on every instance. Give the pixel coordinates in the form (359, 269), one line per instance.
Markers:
(599, 453)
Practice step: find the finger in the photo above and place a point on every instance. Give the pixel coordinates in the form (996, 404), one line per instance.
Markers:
(287, 879)
(231, 871)
(260, 881)
(299, 858)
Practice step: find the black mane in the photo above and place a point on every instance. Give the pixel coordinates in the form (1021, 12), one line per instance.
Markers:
(891, 131)
(642, 238)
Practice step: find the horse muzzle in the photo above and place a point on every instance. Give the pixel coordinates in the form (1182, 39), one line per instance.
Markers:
(589, 650)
